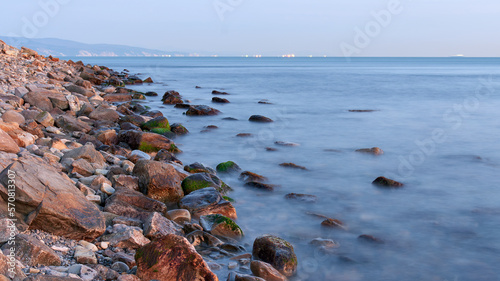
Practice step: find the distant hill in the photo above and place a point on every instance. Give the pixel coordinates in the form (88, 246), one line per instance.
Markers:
(65, 48)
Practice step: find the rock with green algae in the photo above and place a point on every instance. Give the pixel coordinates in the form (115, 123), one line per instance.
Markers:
(179, 129)
(207, 201)
(228, 167)
(171, 258)
(218, 224)
(277, 252)
(158, 122)
(202, 180)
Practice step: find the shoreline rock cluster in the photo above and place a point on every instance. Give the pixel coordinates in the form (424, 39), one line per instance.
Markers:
(96, 189)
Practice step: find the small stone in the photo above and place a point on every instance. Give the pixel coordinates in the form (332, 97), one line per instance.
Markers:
(385, 182)
(179, 216)
(84, 255)
(88, 245)
(120, 267)
(232, 265)
(106, 188)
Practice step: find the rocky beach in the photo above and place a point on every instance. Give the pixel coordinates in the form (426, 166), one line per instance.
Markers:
(91, 188)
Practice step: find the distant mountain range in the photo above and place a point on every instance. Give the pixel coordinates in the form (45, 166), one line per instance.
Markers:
(66, 48)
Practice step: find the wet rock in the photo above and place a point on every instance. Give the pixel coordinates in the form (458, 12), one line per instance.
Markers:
(207, 201)
(182, 105)
(228, 167)
(179, 129)
(124, 236)
(370, 239)
(107, 137)
(201, 110)
(219, 100)
(266, 271)
(198, 168)
(292, 165)
(158, 122)
(333, 223)
(260, 118)
(13, 116)
(302, 197)
(171, 258)
(32, 252)
(362, 110)
(49, 201)
(159, 180)
(172, 97)
(277, 252)
(244, 135)
(326, 243)
(138, 155)
(151, 94)
(245, 277)
(120, 267)
(259, 185)
(202, 180)
(385, 182)
(147, 142)
(133, 204)
(221, 225)
(286, 143)
(126, 181)
(249, 176)
(105, 273)
(215, 92)
(128, 277)
(7, 144)
(117, 97)
(156, 226)
(11, 267)
(264, 102)
(373, 150)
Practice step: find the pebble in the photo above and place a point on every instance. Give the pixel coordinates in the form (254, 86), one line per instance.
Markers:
(232, 265)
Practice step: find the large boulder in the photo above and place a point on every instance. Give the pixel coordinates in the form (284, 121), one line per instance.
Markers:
(159, 180)
(260, 118)
(228, 167)
(202, 180)
(39, 100)
(277, 252)
(172, 258)
(70, 123)
(266, 271)
(147, 142)
(13, 116)
(157, 122)
(171, 97)
(7, 144)
(48, 200)
(129, 203)
(10, 267)
(207, 201)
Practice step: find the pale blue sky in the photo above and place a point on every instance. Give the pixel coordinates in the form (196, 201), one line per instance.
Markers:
(267, 27)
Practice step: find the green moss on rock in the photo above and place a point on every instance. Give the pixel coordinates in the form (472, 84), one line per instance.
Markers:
(227, 167)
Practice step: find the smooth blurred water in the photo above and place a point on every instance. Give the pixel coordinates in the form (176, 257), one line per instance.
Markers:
(443, 225)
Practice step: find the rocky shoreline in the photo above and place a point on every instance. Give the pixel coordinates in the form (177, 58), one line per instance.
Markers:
(91, 188)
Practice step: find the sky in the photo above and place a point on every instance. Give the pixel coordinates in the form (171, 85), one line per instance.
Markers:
(267, 27)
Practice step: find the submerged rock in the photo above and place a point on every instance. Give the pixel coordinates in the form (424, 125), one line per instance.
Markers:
(171, 258)
(228, 167)
(292, 165)
(249, 176)
(385, 182)
(198, 168)
(202, 180)
(201, 110)
(266, 271)
(259, 185)
(277, 252)
(219, 100)
(207, 201)
(373, 150)
(215, 92)
(260, 118)
(302, 197)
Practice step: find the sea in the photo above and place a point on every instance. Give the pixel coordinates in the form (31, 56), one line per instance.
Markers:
(436, 119)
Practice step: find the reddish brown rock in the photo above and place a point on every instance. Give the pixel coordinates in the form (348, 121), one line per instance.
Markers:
(266, 271)
(201, 110)
(133, 204)
(385, 182)
(7, 144)
(277, 252)
(32, 252)
(172, 258)
(159, 180)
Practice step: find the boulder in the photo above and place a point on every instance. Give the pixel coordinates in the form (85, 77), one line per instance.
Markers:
(171, 258)
(133, 204)
(49, 201)
(179, 216)
(82, 167)
(32, 251)
(14, 101)
(178, 129)
(84, 256)
(7, 144)
(198, 168)
(39, 100)
(207, 201)
(147, 142)
(221, 225)
(13, 116)
(156, 226)
(215, 92)
(171, 97)
(107, 137)
(12, 268)
(157, 122)
(159, 180)
(266, 271)
(202, 180)
(302, 197)
(249, 176)
(201, 110)
(260, 118)
(117, 97)
(79, 90)
(277, 252)
(228, 167)
(260, 185)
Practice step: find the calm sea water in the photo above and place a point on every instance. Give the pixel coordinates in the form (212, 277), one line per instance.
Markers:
(437, 119)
